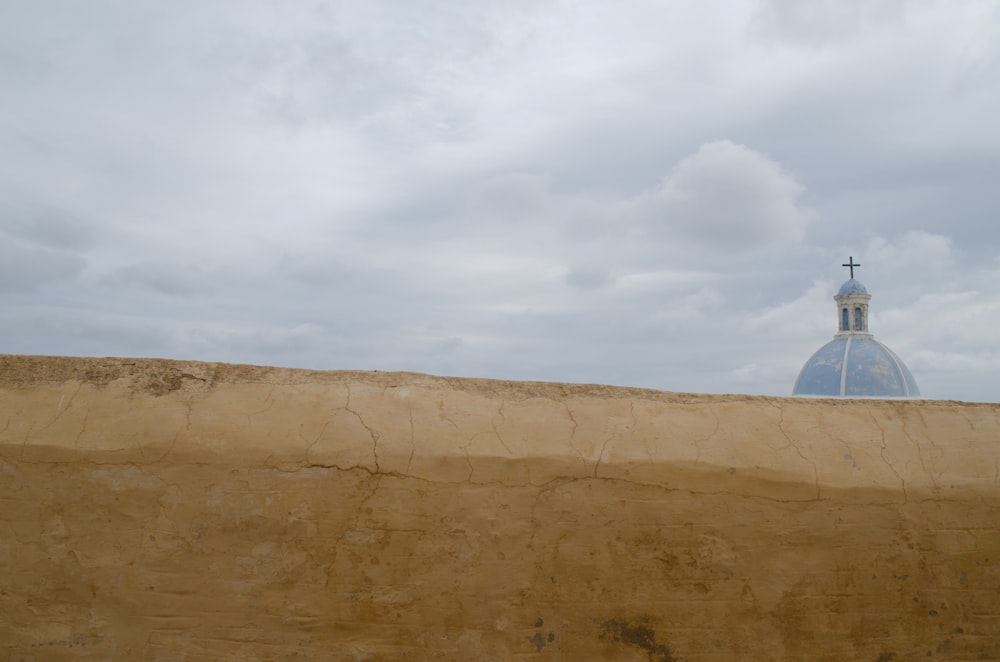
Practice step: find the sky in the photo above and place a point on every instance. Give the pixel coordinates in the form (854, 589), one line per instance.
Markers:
(641, 193)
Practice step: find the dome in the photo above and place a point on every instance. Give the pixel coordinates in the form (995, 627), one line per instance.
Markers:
(854, 364)
(852, 286)
(855, 367)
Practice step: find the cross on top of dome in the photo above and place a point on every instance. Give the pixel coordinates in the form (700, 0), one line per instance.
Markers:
(851, 263)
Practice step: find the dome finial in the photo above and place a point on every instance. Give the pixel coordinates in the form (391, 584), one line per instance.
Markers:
(851, 263)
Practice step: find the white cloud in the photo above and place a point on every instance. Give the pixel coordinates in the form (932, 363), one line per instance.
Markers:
(915, 253)
(728, 197)
(811, 314)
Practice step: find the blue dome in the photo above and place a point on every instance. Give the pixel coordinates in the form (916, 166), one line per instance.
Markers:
(855, 367)
(852, 286)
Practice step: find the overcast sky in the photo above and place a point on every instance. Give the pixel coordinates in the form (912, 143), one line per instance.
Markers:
(642, 192)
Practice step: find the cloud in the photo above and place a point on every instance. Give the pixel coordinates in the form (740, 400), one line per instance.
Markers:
(511, 198)
(40, 245)
(587, 277)
(645, 194)
(172, 279)
(915, 253)
(900, 269)
(85, 331)
(819, 23)
(25, 267)
(810, 315)
(45, 226)
(727, 197)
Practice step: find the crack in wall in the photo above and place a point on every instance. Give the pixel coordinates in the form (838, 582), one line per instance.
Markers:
(544, 490)
(715, 430)
(189, 405)
(60, 410)
(444, 416)
(374, 435)
(376, 479)
(572, 432)
(781, 420)
(413, 436)
(920, 453)
(496, 428)
(268, 403)
(600, 456)
(613, 435)
(788, 438)
(546, 485)
(634, 425)
(315, 441)
(849, 455)
(468, 460)
(882, 451)
(83, 428)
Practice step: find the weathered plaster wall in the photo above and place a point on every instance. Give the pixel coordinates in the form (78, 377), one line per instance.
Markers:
(158, 510)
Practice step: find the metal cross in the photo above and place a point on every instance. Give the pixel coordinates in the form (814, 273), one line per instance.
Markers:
(851, 263)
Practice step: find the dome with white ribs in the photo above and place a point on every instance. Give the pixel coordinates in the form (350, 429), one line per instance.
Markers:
(854, 364)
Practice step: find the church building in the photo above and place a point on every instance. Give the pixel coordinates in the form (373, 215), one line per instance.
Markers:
(854, 364)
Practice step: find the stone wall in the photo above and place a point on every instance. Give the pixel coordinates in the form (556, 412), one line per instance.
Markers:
(160, 510)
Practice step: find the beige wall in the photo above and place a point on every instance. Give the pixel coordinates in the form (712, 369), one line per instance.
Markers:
(160, 510)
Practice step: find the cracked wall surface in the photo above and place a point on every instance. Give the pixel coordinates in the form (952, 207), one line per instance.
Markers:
(162, 510)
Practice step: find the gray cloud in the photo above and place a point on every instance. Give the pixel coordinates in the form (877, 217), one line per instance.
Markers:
(172, 279)
(24, 266)
(633, 193)
(819, 23)
(47, 227)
